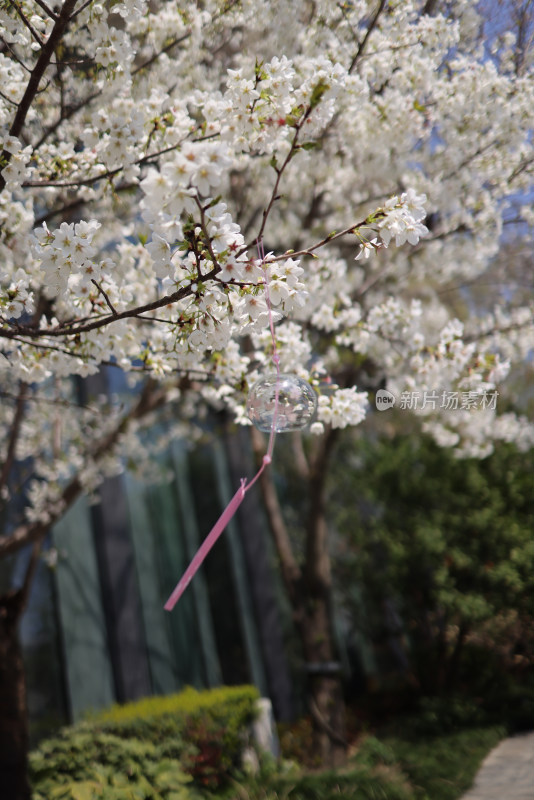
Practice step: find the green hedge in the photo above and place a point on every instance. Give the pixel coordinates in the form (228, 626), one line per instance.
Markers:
(159, 748)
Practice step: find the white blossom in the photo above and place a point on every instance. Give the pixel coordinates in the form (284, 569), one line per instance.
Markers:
(132, 230)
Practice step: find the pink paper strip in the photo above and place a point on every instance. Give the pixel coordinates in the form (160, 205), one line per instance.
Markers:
(205, 547)
(239, 496)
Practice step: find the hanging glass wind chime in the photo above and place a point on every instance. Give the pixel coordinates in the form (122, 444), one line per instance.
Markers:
(277, 403)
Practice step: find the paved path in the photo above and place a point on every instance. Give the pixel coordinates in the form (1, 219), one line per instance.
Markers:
(507, 773)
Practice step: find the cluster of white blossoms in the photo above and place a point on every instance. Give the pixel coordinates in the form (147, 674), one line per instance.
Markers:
(341, 408)
(155, 149)
(401, 221)
(66, 257)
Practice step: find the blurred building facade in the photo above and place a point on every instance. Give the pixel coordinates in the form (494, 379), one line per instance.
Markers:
(96, 633)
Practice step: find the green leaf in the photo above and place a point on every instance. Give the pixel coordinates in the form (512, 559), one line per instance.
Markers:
(317, 94)
(59, 791)
(86, 790)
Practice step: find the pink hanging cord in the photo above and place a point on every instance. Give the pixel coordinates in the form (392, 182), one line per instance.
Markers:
(239, 496)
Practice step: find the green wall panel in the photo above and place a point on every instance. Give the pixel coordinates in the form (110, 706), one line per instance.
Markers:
(145, 542)
(88, 667)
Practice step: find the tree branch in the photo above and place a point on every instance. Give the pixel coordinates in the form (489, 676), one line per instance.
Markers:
(25, 21)
(429, 7)
(47, 10)
(105, 296)
(327, 239)
(291, 572)
(317, 568)
(149, 400)
(279, 172)
(73, 329)
(36, 74)
(365, 40)
(301, 460)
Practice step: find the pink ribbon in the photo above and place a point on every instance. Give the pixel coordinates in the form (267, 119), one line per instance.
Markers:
(239, 496)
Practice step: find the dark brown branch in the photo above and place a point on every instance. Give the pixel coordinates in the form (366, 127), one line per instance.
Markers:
(317, 561)
(48, 347)
(37, 73)
(66, 115)
(8, 99)
(14, 56)
(149, 400)
(279, 172)
(105, 296)
(430, 7)
(82, 8)
(291, 572)
(301, 460)
(327, 239)
(365, 40)
(25, 21)
(74, 329)
(65, 209)
(47, 10)
(166, 49)
(53, 402)
(515, 326)
(322, 723)
(109, 173)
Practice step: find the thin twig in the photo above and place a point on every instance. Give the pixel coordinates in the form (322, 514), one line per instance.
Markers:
(105, 296)
(166, 49)
(54, 402)
(82, 8)
(8, 99)
(46, 9)
(27, 23)
(327, 239)
(14, 56)
(109, 173)
(367, 36)
(73, 328)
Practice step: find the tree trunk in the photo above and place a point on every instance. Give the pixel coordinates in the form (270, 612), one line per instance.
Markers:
(308, 588)
(14, 734)
(326, 690)
(14, 737)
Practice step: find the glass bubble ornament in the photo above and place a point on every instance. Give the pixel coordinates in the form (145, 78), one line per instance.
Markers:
(285, 400)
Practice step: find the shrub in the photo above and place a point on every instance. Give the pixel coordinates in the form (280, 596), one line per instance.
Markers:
(196, 736)
(82, 764)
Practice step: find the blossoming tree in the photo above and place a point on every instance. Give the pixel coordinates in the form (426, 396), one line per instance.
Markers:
(374, 148)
